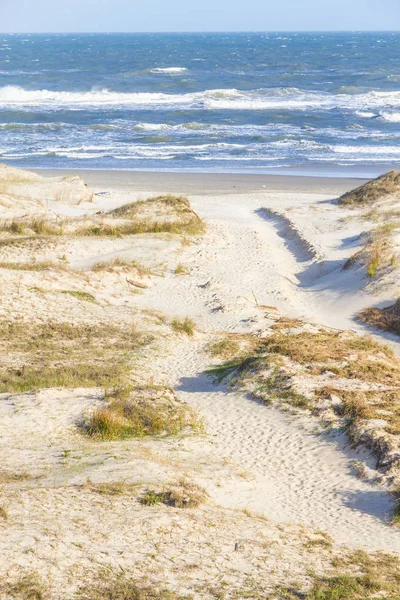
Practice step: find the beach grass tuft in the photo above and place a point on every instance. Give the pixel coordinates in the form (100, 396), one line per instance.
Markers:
(139, 411)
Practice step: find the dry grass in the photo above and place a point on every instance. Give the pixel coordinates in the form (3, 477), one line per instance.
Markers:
(164, 214)
(187, 326)
(83, 375)
(118, 263)
(181, 270)
(28, 587)
(33, 266)
(376, 254)
(185, 494)
(286, 323)
(65, 355)
(39, 226)
(342, 353)
(225, 349)
(292, 368)
(13, 477)
(359, 576)
(376, 189)
(120, 586)
(111, 488)
(135, 412)
(387, 318)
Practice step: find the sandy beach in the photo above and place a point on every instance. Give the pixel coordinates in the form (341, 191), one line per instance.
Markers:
(286, 492)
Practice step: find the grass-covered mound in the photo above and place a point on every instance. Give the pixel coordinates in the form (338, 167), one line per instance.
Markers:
(387, 318)
(139, 411)
(52, 354)
(344, 378)
(376, 189)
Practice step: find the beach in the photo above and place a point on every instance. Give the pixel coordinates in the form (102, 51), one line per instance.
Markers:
(249, 258)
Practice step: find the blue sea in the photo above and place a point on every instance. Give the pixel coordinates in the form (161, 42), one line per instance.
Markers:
(251, 102)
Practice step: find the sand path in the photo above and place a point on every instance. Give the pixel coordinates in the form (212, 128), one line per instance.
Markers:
(297, 475)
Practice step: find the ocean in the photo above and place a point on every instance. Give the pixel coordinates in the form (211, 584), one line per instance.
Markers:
(314, 103)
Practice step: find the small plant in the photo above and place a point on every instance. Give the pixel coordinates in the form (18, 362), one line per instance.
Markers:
(3, 513)
(151, 498)
(80, 295)
(184, 494)
(186, 326)
(181, 269)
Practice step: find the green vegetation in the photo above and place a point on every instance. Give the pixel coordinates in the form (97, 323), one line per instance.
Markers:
(135, 412)
(360, 576)
(64, 355)
(80, 295)
(186, 326)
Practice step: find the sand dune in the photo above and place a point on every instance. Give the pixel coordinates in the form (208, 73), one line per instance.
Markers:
(282, 495)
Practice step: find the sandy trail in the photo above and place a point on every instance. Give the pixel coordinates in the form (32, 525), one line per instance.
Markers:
(297, 476)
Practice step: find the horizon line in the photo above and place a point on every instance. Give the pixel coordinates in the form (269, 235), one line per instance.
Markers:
(200, 31)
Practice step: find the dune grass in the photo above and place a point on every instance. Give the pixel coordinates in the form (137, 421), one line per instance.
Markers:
(376, 189)
(120, 586)
(119, 263)
(110, 488)
(387, 319)
(86, 296)
(64, 355)
(184, 494)
(376, 254)
(226, 348)
(163, 214)
(139, 411)
(180, 269)
(26, 587)
(186, 325)
(34, 266)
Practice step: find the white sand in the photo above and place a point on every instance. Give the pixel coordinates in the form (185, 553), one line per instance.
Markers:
(253, 457)
(241, 260)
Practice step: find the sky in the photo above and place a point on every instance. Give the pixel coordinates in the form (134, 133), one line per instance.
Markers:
(197, 15)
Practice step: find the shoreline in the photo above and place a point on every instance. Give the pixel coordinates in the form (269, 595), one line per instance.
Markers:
(206, 183)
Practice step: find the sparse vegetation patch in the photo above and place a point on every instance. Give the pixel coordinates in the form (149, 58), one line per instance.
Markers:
(135, 412)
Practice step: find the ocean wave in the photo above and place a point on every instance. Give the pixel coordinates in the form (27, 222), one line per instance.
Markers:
(391, 117)
(271, 99)
(374, 150)
(170, 70)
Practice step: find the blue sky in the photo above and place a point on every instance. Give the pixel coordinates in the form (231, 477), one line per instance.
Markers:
(197, 15)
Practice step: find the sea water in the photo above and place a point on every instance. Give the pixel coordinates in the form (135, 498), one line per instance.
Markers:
(263, 102)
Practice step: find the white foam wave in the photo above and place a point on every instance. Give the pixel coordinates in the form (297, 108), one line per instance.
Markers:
(391, 117)
(217, 99)
(372, 150)
(171, 70)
